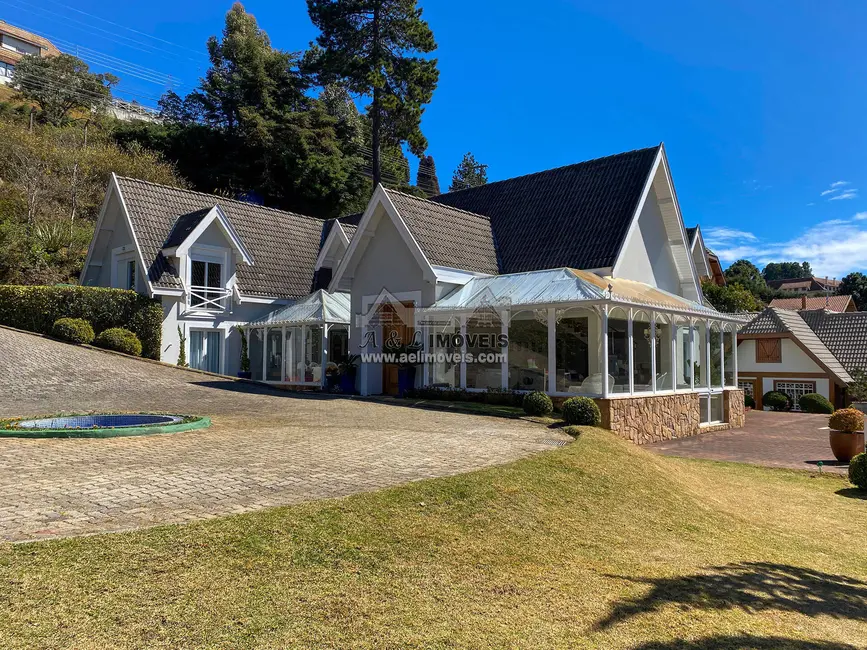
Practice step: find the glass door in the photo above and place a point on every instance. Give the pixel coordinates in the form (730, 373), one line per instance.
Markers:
(206, 350)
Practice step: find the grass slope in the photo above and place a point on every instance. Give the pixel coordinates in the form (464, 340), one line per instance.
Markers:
(596, 545)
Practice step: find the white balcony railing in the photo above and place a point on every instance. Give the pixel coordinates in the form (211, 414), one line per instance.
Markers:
(208, 298)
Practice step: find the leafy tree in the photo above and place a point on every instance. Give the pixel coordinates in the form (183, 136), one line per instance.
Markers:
(732, 298)
(745, 273)
(786, 270)
(183, 110)
(61, 85)
(855, 285)
(469, 174)
(372, 46)
(426, 177)
(338, 104)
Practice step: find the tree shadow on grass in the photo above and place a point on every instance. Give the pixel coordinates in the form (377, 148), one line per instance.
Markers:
(744, 642)
(753, 587)
(853, 493)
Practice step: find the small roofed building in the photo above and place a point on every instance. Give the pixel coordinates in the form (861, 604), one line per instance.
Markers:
(16, 43)
(801, 352)
(706, 262)
(810, 284)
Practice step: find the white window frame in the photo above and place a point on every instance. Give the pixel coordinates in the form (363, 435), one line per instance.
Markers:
(205, 331)
(208, 255)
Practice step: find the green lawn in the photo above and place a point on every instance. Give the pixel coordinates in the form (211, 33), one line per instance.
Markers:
(599, 544)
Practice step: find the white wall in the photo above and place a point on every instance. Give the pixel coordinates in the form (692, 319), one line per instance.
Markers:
(647, 255)
(792, 359)
(113, 233)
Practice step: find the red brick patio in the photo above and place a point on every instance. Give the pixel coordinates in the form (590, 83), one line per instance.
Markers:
(793, 440)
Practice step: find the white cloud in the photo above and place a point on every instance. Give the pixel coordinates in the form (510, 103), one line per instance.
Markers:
(831, 191)
(833, 248)
(839, 183)
(723, 234)
(847, 194)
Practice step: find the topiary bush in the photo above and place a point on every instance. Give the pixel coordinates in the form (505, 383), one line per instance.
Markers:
(847, 420)
(815, 403)
(35, 309)
(581, 410)
(119, 340)
(749, 402)
(775, 401)
(858, 471)
(537, 403)
(74, 330)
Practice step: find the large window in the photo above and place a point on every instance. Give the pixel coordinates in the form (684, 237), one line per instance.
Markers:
(274, 363)
(444, 370)
(206, 350)
(485, 371)
(338, 343)
(699, 354)
(256, 351)
(573, 351)
(205, 275)
(528, 350)
(618, 351)
(716, 371)
(294, 355)
(729, 351)
(312, 354)
(685, 368)
(642, 375)
(664, 375)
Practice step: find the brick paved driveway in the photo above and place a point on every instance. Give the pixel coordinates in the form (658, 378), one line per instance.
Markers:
(793, 440)
(265, 448)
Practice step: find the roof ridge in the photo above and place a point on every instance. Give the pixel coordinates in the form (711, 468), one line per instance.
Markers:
(217, 196)
(441, 205)
(552, 169)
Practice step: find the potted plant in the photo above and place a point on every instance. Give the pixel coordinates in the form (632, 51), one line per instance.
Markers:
(847, 434)
(244, 373)
(347, 370)
(332, 376)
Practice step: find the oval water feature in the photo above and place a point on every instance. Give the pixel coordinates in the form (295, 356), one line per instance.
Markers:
(99, 421)
(100, 425)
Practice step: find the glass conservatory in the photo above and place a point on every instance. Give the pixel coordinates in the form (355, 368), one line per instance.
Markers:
(302, 343)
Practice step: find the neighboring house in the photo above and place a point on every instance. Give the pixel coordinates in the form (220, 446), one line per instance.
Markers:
(830, 303)
(707, 264)
(584, 275)
(14, 44)
(800, 352)
(805, 285)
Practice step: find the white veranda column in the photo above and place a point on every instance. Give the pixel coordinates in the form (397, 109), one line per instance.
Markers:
(691, 354)
(653, 352)
(605, 351)
(324, 362)
(552, 350)
(264, 353)
(630, 352)
(674, 368)
(463, 351)
(283, 355)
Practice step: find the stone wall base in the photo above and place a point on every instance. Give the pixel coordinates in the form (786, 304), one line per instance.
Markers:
(663, 417)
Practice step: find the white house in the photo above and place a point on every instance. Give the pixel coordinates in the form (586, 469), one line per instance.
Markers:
(586, 271)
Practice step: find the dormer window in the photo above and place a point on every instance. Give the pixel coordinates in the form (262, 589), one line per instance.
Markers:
(205, 275)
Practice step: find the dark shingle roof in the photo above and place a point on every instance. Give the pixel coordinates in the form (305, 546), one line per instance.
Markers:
(845, 335)
(575, 216)
(185, 224)
(690, 234)
(284, 245)
(448, 236)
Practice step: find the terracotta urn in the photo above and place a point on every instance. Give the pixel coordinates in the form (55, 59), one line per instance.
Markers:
(845, 445)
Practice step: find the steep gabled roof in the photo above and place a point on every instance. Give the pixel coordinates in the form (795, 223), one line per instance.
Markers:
(783, 321)
(575, 216)
(284, 245)
(845, 335)
(448, 236)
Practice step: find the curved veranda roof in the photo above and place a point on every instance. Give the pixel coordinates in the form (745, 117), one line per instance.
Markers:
(566, 286)
(318, 307)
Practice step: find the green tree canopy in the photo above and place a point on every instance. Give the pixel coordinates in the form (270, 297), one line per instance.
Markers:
(469, 173)
(786, 270)
(372, 46)
(732, 298)
(745, 273)
(61, 85)
(426, 177)
(855, 285)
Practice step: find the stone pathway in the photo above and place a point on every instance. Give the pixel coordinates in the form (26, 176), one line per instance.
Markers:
(792, 440)
(265, 448)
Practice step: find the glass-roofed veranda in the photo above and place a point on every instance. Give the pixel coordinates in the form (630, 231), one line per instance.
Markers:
(573, 333)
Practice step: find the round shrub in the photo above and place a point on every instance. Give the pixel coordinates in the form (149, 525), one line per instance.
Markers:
(847, 420)
(775, 401)
(537, 403)
(858, 471)
(749, 402)
(815, 403)
(74, 330)
(119, 340)
(581, 410)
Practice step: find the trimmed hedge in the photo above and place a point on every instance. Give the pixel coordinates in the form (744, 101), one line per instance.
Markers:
(815, 403)
(74, 330)
(119, 340)
(858, 471)
(581, 410)
(538, 403)
(749, 402)
(37, 308)
(775, 401)
(493, 396)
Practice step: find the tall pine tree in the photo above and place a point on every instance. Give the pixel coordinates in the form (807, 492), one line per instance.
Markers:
(469, 174)
(372, 46)
(426, 177)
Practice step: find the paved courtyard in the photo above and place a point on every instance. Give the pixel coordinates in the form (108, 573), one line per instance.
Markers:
(792, 440)
(265, 448)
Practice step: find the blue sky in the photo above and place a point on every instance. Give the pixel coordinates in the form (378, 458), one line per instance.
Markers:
(760, 104)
